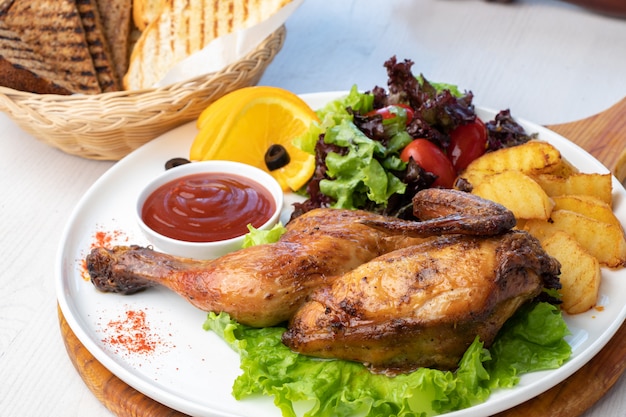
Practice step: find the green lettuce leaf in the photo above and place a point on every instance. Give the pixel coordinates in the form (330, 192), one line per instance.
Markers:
(439, 87)
(333, 114)
(258, 237)
(327, 388)
(358, 175)
(364, 172)
(532, 340)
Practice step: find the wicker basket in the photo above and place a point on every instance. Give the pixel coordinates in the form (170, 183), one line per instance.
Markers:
(108, 126)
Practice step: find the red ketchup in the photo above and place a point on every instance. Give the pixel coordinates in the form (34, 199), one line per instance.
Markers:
(207, 207)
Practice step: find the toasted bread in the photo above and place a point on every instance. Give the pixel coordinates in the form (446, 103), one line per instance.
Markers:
(116, 18)
(98, 45)
(185, 27)
(22, 79)
(52, 31)
(23, 69)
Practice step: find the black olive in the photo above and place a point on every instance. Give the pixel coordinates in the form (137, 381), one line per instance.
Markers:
(174, 162)
(276, 157)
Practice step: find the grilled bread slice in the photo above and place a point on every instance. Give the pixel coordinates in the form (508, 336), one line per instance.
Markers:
(23, 69)
(51, 35)
(98, 45)
(116, 18)
(185, 27)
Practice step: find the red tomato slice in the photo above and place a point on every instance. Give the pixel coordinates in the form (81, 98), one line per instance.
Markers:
(432, 159)
(467, 142)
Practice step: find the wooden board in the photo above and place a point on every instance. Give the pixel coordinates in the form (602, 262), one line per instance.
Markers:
(602, 135)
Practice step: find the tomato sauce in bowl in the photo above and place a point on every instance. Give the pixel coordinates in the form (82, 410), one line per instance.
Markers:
(203, 209)
(208, 207)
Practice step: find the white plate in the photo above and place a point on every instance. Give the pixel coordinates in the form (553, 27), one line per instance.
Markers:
(192, 370)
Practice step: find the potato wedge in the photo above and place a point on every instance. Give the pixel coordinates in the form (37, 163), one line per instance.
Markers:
(531, 157)
(604, 241)
(580, 272)
(587, 205)
(518, 192)
(563, 169)
(596, 185)
(475, 176)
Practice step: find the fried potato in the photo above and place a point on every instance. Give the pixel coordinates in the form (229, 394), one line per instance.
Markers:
(580, 272)
(563, 169)
(476, 176)
(532, 157)
(568, 211)
(587, 205)
(518, 192)
(596, 185)
(603, 240)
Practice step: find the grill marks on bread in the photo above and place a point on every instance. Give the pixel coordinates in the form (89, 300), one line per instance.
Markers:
(98, 45)
(53, 31)
(116, 16)
(21, 68)
(84, 46)
(61, 46)
(184, 27)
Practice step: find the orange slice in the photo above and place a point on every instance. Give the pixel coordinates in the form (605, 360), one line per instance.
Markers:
(242, 126)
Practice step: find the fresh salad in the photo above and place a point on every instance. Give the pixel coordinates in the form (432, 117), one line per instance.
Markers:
(373, 151)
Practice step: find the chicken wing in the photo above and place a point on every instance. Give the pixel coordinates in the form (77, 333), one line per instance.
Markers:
(447, 212)
(423, 305)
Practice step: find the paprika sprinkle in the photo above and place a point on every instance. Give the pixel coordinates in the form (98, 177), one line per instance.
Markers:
(131, 334)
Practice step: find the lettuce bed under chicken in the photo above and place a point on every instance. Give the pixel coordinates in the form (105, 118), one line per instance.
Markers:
(532, 340)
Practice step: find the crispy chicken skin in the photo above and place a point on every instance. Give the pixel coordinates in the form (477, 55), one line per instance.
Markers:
(258, 286)
(423, 305)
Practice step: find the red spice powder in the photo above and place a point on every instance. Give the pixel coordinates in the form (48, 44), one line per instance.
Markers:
(104, 239)
(131, 334)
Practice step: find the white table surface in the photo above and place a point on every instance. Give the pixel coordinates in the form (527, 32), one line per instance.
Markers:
(549, 62)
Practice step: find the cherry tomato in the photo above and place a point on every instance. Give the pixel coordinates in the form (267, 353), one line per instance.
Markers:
(389, 112)
(467, 142)
(432, 159)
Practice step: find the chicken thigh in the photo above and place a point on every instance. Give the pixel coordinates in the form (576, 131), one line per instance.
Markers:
(423, 305)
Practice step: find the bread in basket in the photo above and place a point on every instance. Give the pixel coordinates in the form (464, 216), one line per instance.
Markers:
(108, 126)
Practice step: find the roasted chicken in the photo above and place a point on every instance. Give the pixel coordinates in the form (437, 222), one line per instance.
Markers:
(258, 286)
(423, 305)
(265, 285)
